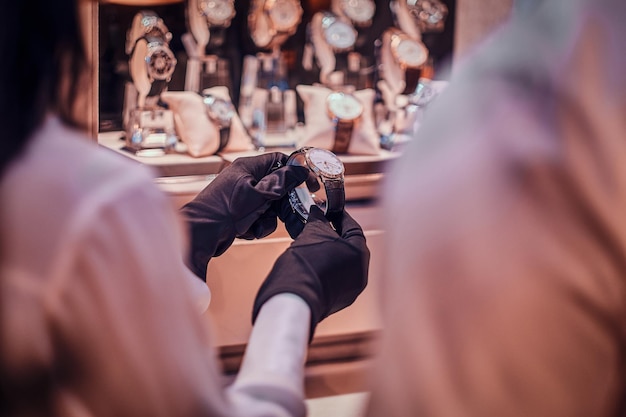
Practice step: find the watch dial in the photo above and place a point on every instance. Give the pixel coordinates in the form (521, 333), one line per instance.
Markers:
(161, 63)
(359, 11)
(344, 106)
(217, 11)
(412, 53)
(285, 14)
(340, 35)
(219, 109)
(326, 161)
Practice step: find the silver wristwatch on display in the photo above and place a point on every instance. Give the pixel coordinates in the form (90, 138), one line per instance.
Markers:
(338, 33)
(325, 185)
(411, 55)
(218, 14)
(221, 112)
(159, 59)
(344, 109)
(281, 20)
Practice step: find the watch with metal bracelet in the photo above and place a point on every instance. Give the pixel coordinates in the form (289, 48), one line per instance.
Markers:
(325, 185)
(344, 109)
(160, 62)
(221, 112)
(411, 55)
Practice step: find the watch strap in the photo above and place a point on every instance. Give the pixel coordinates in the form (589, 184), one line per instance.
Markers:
(335, 196)
(157, 87)
(411, 79)
(224, 137)
(217, 36)
(343, 135)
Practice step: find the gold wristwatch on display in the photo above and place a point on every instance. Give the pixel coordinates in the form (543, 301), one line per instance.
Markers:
(325, 185)
(281, 18)
(411, 55)
(344, 109)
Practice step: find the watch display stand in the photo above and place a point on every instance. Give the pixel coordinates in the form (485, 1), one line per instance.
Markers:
(204, 70)
(267, 106)
(149, 129)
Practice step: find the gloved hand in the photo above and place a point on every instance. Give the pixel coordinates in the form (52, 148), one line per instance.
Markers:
(237, 203)
(326, 267)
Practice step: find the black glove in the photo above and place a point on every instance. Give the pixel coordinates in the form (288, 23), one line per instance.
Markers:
(237, 203)
(327, 268)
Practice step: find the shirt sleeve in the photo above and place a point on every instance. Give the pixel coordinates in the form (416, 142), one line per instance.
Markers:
(125, 323)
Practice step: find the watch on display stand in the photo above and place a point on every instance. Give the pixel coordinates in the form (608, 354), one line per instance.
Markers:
(411, 55)
(207, 22)
(360, 13)
(151, 65)
(344, 109)
(325, 185)
(272, 22)
(221, 113)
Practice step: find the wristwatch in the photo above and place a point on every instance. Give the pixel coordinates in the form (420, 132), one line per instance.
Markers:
(338, 33)
(411, 55)
(159, 59)
(160, 62)
(218, 14)
(325, 185)
(360, 13)
(221, 112)
(146, 23)
(283, 18)
(344, 109)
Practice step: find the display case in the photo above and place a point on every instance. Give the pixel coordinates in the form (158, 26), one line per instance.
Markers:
(148, 115)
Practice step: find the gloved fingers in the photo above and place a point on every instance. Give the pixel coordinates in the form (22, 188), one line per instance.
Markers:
(262, 227)
(347, 227)
(286, 213)
(280, 181)
(260, 165)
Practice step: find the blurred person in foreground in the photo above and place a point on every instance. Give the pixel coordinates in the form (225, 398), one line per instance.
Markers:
(97, 313)
(506, 273)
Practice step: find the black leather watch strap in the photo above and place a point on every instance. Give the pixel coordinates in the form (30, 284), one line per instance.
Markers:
(411, 79)
(343, 136)
(157, 87)
(217, 37)
(335, 196)
(224, 137)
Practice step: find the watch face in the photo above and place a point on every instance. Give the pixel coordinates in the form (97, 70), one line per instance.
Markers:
(359, 11)
(218, 12)
(160, 61)
(411, 53)
(429, 14)
(219, 109)
(325, 162)
(340, 35)
(324, 166)
(344, 106)
(285, 14)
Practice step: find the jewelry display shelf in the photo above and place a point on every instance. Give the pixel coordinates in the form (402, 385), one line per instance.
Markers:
(183, 176)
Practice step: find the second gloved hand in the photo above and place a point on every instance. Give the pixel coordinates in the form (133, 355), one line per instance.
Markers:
(238, 204)
(326, 267)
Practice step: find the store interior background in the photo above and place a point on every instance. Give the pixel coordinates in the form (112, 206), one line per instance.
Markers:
(339, 355)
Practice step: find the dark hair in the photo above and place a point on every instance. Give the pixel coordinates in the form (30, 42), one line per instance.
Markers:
(42, 69)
